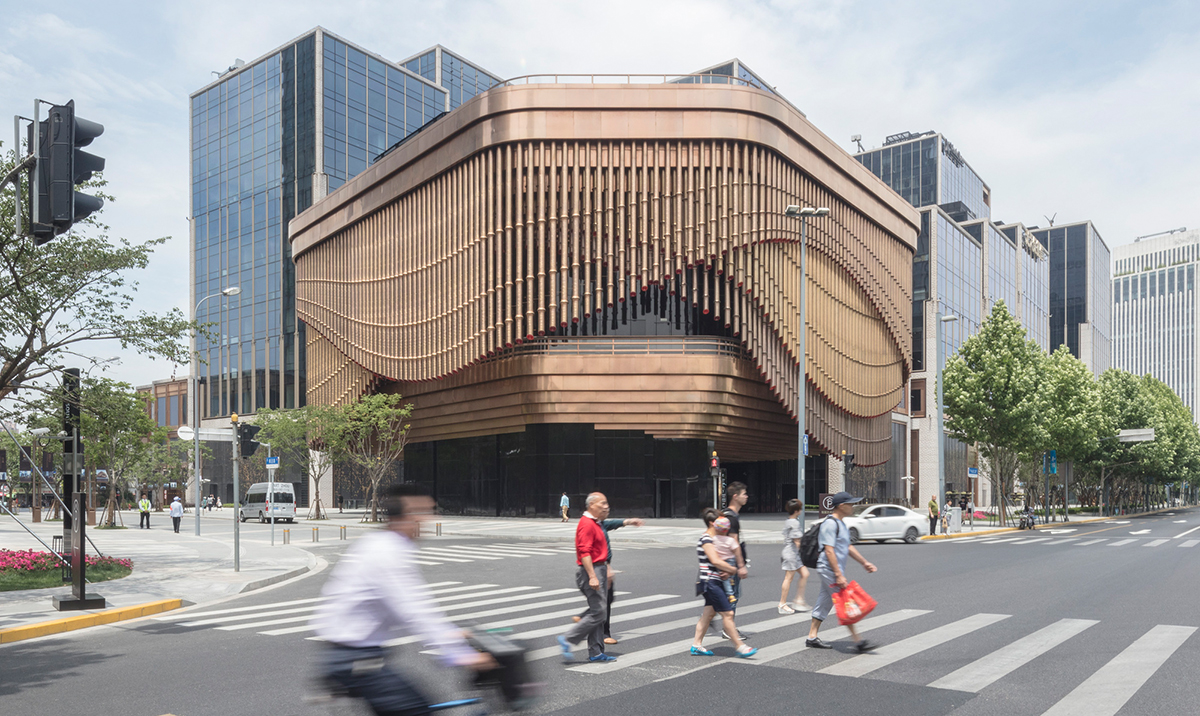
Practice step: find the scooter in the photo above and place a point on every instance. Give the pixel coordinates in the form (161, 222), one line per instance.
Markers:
(1028, 521)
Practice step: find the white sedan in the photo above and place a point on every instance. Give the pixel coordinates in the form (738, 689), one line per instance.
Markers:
(884, 522)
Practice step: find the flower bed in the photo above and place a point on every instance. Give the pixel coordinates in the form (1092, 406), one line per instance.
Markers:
(30, 569)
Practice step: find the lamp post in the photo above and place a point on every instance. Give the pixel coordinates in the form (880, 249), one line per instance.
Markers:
(941, 412)
(195, 390)
(795, 210)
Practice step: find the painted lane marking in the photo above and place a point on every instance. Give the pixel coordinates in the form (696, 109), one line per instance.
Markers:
(1106, 691)
(983, 672)
(1120, 542)
(891, 653)
(1182, 534)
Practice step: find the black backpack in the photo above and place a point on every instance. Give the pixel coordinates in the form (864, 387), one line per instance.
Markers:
(810, 544)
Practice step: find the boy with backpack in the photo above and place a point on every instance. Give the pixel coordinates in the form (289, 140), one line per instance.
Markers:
(826, 547)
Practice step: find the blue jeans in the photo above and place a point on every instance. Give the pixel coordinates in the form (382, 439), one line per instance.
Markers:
(365, 675)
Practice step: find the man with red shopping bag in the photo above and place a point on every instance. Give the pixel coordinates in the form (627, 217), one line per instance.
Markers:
(835, 553)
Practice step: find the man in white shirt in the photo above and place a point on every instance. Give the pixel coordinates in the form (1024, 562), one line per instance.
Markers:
(374, 588)
(176, 513)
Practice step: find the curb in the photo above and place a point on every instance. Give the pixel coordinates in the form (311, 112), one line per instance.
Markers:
(58, 626)
(1056, 525)
(268, 581)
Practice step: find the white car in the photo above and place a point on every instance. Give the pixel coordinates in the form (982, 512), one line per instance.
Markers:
(884, 522)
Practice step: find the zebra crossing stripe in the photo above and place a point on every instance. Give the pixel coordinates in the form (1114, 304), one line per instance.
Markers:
(1002, 541)
(490, 592)
(1190, 543)
(253, 615)
(983, 672)
(438, 552)
(1091, 541)
(891, 653)
(570, 612)
(787, 648)
(1120, 542)
(497, 600)
(1106, 691)
(616, 619)
(1155, 542)
(194, 615)
(1035, 541)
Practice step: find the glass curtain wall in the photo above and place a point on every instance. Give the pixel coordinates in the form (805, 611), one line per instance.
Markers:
(960, 282)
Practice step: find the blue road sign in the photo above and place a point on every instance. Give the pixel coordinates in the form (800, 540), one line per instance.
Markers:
(1052, 462)
(273, 461)
(805, 446)
(973, 471)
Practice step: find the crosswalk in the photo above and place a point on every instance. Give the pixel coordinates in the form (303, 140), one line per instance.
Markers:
(1082, 541)
(655, 631)
(462, 553)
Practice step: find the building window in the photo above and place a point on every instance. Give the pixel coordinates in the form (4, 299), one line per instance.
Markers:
(918, 398)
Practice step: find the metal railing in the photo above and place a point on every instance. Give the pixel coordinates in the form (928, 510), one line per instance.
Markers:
(629, 345)
(629, 79)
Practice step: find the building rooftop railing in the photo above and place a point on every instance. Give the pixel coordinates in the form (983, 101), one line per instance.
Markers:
(629, 345)
(626, 78)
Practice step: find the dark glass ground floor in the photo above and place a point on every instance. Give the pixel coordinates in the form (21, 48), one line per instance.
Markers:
(525, 474)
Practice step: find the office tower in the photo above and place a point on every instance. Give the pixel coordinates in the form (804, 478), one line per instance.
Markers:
(268, 139)
(1080, 292)
(1155, 308)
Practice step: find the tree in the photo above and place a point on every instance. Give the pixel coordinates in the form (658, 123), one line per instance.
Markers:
(164, 461)
(58, 299)
(993, 397)
(376, 433)
(313, 436)
(1071, 411)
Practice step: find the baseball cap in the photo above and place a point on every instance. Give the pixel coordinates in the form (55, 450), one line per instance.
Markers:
(842, 498)
(721, 525)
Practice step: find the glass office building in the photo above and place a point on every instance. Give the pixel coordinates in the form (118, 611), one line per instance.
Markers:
(1080, 292)
(268, 139)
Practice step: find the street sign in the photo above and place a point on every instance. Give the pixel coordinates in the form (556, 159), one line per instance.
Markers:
(973, 472)
(825, 503)
(208, 434)
(185, 432)
(806, 446)
(1052, 462)
(273, 463)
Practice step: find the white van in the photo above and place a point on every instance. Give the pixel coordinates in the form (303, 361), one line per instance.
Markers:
(258, 504)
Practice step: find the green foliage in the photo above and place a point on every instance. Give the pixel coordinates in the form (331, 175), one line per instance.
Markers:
(376, 431)
(314, 436)
(59, 299)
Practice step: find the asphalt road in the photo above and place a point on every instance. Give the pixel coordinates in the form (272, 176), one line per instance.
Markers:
(1098, 620)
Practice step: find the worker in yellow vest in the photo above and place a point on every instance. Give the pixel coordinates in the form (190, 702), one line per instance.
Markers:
(144, 508)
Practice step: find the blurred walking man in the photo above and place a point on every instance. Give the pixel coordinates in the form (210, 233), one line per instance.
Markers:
(591, 554)
(836, 552)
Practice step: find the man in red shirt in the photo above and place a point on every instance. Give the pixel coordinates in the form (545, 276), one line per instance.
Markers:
(591, 554)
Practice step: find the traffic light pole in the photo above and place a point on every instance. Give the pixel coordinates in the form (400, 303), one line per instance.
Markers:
(237, 502)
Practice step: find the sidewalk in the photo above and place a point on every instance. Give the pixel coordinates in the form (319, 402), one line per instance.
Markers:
(756, 528)
(165, 565)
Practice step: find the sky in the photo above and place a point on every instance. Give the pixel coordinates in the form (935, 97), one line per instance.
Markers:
(1072, 110)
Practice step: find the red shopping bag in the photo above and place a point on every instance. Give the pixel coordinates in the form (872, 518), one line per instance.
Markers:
(853, 604)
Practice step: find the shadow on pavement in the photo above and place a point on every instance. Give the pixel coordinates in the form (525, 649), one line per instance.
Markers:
(39, 664)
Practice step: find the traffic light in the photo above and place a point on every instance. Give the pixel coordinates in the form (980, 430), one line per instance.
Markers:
(246, 442)
(848, 459)
(61, 165)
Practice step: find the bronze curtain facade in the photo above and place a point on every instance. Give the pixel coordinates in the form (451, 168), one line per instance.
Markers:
(524, 239)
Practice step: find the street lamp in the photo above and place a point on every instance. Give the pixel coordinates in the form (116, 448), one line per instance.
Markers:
(941, 412)
(195, 390)
(793, 211)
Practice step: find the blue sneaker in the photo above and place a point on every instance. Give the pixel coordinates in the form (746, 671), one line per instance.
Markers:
(701, 651)
(602, 657)
(566, 649)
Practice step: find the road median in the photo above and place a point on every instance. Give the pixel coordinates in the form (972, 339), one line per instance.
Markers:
(83, 621)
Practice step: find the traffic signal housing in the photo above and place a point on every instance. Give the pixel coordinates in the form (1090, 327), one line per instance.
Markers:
(247, 445)
(61, 165)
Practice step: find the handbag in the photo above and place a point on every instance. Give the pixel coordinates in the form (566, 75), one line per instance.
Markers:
(853, 604)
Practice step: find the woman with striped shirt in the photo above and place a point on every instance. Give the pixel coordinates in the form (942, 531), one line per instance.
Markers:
(715, 601)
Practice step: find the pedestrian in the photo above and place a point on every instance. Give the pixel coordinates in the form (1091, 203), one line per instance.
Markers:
(946, 515)
(176, 513)
(564, 504)
(715, 600)
(738, 496)
(609, 525)
(341, 502)
(591, 554)
(971, 512)
(144, 509)
(790, 560)
(836, 552)
(376, 587)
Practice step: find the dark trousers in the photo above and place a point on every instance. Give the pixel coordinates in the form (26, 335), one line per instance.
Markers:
(365, 675)
(612, 595)
(591, 627)
(176, 520)
(144, 521)
(933, 525)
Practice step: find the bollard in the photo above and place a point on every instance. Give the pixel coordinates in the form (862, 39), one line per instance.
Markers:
(343, 531)
(316, 534)
(439, 529)
(287, 536)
